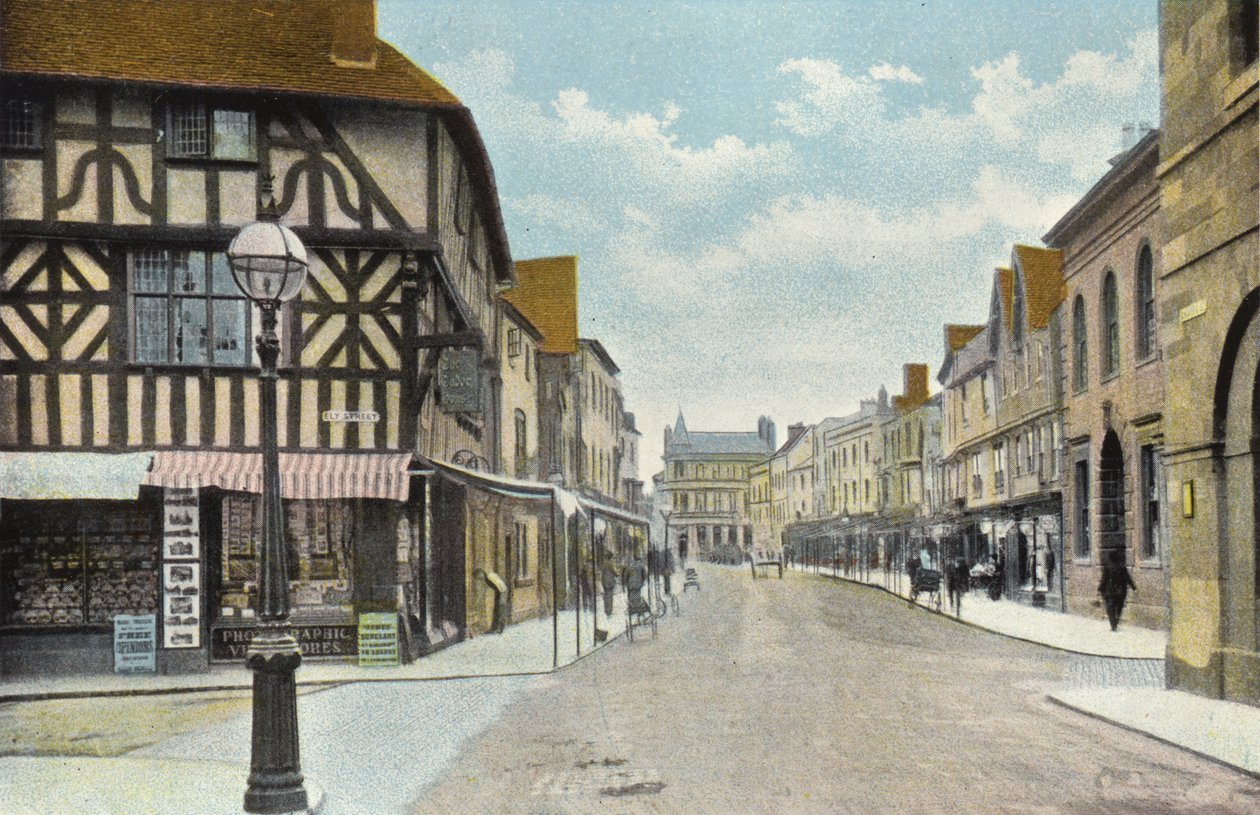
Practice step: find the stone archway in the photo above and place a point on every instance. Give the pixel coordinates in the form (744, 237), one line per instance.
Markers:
(1237, 429)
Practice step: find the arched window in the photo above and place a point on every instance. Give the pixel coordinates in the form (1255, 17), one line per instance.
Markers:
(1080, 346)
(1110, 325)
(1144, 312)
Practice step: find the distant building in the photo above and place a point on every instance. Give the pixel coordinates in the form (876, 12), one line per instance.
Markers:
(1114, 491)
(705, 485)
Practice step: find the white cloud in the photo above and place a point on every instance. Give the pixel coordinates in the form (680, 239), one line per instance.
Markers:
(830, 101)
(887, 73)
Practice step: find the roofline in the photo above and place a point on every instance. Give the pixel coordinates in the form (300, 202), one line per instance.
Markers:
(472, 147)
(598, 349)
(1133, 158)
(515, 314)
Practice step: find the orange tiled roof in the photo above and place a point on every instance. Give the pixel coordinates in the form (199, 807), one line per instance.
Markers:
(957, 336)
(282, 45)
(546, 293)
(1044, 287)
(1006, 287)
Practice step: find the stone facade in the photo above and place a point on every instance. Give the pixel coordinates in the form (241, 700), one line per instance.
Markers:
(1210, 330)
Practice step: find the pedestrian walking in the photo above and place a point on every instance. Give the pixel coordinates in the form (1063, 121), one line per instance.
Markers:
(957, 580)
(1114, 586)
(668, 568)
(608, 582)
(636, 576)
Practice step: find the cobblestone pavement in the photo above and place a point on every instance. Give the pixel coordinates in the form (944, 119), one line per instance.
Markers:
(814, 697)
(1110, 672)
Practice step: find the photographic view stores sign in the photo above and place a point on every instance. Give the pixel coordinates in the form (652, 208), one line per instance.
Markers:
(229, 643)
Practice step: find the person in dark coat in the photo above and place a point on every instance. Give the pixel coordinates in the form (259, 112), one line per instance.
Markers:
(636, 577)
(608, 582)
(957, 582)
(1114, 586)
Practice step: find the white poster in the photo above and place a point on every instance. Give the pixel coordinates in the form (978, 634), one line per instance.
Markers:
(181, 536)
(181, 605)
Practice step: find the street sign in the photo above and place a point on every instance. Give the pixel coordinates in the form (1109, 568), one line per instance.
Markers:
(135, 643)
(360, 416)
(459, 380)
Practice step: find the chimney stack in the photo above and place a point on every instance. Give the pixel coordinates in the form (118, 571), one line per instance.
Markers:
(354, 34)
(915, 388)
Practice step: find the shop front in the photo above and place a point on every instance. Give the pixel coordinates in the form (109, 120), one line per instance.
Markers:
(80, 544)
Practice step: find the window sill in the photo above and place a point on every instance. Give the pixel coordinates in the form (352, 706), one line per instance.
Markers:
(1150, 563)
(1111, 377)
(22, 152)
(1142, 363)
(195, 367)
(207, 162)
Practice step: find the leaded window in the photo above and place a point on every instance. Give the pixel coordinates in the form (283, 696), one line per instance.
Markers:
(186, 309)
(198, 130)
(21, 123)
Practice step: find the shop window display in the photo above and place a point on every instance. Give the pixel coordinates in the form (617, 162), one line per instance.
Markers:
(318, 540)
(77, 565)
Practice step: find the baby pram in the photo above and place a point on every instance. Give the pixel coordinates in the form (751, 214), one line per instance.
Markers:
(926, 581)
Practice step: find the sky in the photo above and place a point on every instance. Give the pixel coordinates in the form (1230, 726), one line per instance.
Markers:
(777, 204)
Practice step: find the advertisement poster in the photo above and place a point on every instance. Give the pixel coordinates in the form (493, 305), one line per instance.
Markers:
(135, 643)
(181, 538)
(181, 605)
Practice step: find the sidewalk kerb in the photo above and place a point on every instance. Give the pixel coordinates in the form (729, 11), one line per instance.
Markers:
(970, 623)
(1116, 723)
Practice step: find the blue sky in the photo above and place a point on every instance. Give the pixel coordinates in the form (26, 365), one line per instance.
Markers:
(776, 204)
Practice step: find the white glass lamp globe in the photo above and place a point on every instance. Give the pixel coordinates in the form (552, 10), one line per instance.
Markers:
(268, 262)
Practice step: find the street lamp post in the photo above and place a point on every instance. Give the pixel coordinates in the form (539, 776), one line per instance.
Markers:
(269, 266)
(665, 549)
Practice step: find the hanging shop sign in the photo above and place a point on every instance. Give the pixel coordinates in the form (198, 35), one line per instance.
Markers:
(359, 416)
(229, 643)
(181, 605)
(135, 643)
(378, 639)
(459, 380)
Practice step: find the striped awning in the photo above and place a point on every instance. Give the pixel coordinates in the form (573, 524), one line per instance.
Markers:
(303, 476)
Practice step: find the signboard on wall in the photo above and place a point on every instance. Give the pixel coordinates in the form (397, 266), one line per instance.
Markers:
(228, 643)
(459, 380)
(378, 639)
(135, 643)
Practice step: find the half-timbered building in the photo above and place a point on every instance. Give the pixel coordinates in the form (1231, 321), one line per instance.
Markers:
(135, 140)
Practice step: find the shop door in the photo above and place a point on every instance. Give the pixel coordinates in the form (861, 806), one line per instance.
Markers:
(446, 583)
(375, 578)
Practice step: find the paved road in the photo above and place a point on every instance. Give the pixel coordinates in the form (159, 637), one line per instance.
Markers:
(806, 696)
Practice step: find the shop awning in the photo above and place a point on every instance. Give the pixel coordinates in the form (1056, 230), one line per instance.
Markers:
(303, 476)
(51, 476)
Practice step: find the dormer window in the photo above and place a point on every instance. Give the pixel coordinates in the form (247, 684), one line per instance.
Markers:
(198, 130)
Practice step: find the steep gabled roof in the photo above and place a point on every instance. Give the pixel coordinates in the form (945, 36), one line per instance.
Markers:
(956, 336)
(279, 45)
(1044, 287)
(1004, 287)
(546, 293)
